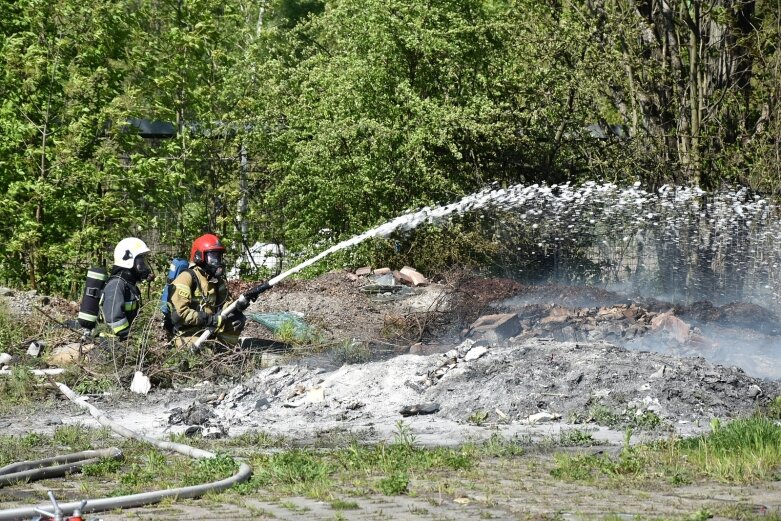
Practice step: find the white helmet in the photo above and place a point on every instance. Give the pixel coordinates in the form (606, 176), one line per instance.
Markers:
(127, 250)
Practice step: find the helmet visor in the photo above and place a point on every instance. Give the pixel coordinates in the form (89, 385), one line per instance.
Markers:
(214, 258)
(142, 269)
(213, 263)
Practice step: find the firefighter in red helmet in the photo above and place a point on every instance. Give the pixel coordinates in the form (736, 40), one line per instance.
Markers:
(201, 292)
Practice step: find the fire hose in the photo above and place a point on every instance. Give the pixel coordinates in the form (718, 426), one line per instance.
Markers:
(32, 470)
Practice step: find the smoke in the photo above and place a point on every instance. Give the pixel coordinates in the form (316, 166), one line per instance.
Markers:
(679, 245)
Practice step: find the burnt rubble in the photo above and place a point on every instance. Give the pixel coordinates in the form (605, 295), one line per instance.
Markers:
(522, 382)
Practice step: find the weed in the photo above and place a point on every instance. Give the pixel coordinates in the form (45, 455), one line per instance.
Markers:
(96, 385)
(602, 415)
(645, 420)
(743, 450)
(290, 468)
(395, 484)
(101, 468)
(339, 504)
(497, 446)
(748, 512)
(774, 409)
(289, 505)
(576, 468)
(76, 437)
(350, 352)
(255, 439)
(12, 330)
(478, 417)
(576, 438)
(403, 435)
(20, 387)
(211, 469)
(700, 515)
(33, 439)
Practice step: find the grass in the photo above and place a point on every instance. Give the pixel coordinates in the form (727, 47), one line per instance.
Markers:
(401, 467)
(383, 468)
(350, 352)
(746, 450)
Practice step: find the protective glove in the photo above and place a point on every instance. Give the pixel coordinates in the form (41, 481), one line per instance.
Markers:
(241, 305)
(215, 323)
(236, 319)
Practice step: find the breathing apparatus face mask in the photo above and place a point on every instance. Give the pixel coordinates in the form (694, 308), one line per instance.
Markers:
(213, 264)
(142, 270)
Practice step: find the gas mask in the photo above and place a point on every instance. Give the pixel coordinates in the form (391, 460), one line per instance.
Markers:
(142, 270)
(213, 264)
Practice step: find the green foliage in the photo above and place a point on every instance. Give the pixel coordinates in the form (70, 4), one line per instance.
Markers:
(74, 437)
(291, 468)
(394, 484)
(497, 446)
(576, 437)
(478, 417)
(104, 467)
(352, 114)
(208, 470)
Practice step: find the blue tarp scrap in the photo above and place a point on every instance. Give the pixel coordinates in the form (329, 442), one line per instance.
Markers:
(274, 321)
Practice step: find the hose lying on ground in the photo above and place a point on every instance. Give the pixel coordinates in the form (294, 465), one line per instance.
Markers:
(133, 500)
(54, 467)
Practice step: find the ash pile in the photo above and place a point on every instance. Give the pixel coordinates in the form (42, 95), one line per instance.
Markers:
(508, 385)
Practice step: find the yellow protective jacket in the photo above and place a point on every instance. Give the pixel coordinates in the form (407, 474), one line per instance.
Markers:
(194, 301)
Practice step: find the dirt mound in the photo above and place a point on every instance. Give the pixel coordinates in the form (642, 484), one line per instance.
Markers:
(332, 303)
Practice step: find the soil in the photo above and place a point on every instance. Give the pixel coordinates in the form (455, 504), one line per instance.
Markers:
(407, 355)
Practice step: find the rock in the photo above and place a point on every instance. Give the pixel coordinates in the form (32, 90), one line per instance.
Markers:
(382, 271)
(660, 373)
(176, 416)
(419, 409)
(495, 328)
(412, 276)
(475, 353)
(677, 328)
(69, 353)
(197, 415)
(362, 272)
(213, 433)
(5, 358)
(541, 417)
(754, 391)
(192, 430)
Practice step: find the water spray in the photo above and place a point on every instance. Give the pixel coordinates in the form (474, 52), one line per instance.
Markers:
(727, 226)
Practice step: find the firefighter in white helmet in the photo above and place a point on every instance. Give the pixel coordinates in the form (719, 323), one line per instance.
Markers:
(121, 295)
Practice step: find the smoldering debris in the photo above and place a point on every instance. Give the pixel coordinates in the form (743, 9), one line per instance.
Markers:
(587, 384)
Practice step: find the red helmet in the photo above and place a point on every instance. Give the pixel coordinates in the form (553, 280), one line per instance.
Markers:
(203, 244)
